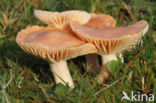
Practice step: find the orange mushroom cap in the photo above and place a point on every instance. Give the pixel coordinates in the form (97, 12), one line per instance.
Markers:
(62, 19)
(52, 44)
(99, 21)
(111, 39)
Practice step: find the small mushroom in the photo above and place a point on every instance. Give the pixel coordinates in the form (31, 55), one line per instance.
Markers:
(110, 40)
(61, 20)
(55, 46)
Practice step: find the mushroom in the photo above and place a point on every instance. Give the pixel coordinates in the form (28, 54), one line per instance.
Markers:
(110, 40)
(61, 20)
(55, 46)
(98, 21)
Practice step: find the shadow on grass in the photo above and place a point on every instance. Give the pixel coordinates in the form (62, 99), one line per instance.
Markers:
(11, 51)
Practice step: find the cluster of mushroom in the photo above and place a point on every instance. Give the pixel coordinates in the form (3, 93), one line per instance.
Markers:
(74, 33)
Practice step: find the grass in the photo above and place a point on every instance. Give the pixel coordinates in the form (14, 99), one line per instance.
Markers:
(26, 79)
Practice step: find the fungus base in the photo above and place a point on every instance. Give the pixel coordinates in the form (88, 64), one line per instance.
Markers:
(105, 73)
(93, 63)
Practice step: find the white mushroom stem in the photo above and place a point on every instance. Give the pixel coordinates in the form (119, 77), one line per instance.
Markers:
(61, 73)
(110, 57)
(105, 73)
(93, 63)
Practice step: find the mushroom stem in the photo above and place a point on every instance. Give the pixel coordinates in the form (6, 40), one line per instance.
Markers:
(61, 73)
(93, 63)
(108, 58)
(105, 73)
